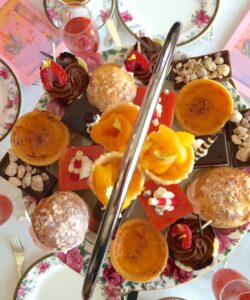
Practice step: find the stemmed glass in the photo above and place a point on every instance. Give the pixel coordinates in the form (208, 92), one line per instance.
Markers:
(78, 29)
(229, 284)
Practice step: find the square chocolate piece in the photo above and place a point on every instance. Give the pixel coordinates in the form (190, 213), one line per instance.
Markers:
(75, 115)
(233, 148)
(217, 153)
(201, 65)
(48, 183)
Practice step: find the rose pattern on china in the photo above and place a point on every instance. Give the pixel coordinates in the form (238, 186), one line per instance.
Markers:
(201, 18)
(111, 276)
(11, 105)
(21, 291)
(73, 259)
(112, 293)
(104, 14)
(4, 73)
(42, 267)
(171, 270)
(126, 16)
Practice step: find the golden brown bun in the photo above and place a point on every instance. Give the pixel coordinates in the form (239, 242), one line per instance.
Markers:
(109, 84)
(61, 221)
(223, 195)
(39, 138)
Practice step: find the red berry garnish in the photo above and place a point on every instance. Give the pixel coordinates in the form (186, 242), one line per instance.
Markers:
(136, 61)
(183, 232)
(59, 73)
(50, 71)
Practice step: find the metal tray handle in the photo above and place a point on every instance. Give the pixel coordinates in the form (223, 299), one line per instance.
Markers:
(130, 158)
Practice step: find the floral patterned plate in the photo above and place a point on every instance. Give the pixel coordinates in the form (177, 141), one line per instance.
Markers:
(101, 10)
(50, 278)
(155, 19)
(10, 99)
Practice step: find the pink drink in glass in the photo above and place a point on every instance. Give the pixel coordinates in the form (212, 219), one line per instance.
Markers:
(223, 277)
(6, 208)
(79, 31)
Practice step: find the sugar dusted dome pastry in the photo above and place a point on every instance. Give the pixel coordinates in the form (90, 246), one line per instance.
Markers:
(60, 221)
(223, 196)
(109, 84)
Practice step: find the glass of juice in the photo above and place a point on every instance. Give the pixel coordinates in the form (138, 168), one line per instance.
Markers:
(78, 29)
(229, 284)
(6, 208)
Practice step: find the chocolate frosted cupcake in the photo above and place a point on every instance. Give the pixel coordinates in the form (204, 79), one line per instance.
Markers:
(152, 55)
(64, 80)
(188, 248)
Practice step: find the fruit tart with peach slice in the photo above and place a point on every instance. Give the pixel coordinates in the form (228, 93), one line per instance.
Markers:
(164, 204)
(103, 176)
(115, 126)
(167, 156)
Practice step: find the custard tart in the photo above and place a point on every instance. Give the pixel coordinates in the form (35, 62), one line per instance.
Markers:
(39, 138)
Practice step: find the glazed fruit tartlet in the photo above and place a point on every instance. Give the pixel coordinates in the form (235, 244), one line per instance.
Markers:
(167, 156)
(103, 175)
(139, 252)
(203, 107)
(39, 138)
(115, 126)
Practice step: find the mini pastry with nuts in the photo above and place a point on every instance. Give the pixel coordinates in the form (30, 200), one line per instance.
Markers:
(59, 223)
(214, 66)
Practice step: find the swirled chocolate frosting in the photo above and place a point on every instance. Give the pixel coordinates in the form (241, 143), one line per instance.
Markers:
(200, 254)
(152, 55)
(78, 80)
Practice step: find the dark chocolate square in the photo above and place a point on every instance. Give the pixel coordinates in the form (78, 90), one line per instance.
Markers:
(48, 184)
(233, 148)
(74, 115)
(217, 153)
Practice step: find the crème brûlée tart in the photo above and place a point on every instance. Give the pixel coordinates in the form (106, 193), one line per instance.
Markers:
(39, 138)
(103, 176)
(203, 107)
(139, 252)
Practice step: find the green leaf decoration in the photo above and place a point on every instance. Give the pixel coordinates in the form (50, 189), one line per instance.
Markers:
(105, 56)
(112, 51)
(227, 252)
(85, 264)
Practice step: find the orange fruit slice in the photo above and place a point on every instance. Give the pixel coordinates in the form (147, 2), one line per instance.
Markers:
(203, 107)
(139, 252)
(39, 138)
(115, 126)
(167, 156)
(103, 176)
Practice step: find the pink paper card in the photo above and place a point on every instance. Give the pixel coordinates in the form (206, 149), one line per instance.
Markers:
(24, 31)
(239, 47)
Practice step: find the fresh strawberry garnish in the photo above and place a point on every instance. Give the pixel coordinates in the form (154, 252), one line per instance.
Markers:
(46, 78)
(182, 231)
(50, 71)
(137, 61)
(59, 73)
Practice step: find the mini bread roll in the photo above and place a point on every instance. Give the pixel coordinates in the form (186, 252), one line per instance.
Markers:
(109, 84)
(60, 221)
(223, 196)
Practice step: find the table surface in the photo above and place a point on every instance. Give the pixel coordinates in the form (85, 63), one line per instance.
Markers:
(229, 16)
